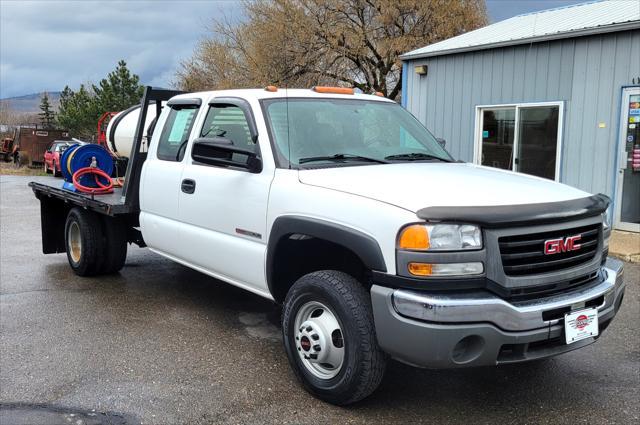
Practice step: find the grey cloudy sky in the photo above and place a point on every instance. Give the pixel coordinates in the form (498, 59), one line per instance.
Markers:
(45, 45)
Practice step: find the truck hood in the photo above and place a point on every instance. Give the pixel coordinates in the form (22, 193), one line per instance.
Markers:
(414, 186)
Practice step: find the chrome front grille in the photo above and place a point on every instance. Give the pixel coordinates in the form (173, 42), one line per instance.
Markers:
(525, 254)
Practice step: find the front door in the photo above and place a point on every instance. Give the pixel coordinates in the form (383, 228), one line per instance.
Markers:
(523, 138)
(224, 214)
(627, 215)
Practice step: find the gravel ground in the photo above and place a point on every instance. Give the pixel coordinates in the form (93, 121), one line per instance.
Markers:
(161, 344)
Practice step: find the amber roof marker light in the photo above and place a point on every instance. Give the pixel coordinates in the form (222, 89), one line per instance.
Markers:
(271, 88)
(334, 90)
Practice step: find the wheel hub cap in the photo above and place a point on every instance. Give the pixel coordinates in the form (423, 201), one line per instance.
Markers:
(75, 242)
(319, 340)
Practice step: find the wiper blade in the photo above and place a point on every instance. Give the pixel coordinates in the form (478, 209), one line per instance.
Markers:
(341, 157)
(416, 156)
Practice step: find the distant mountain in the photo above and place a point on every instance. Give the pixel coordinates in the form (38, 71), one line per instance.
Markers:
(30, 102)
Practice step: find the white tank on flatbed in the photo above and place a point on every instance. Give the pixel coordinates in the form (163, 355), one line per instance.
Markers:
(122, 128)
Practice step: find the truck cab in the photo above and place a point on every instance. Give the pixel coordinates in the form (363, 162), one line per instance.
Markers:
(377, 243)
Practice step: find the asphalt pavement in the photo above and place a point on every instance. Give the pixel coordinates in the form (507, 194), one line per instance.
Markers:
(159, 343)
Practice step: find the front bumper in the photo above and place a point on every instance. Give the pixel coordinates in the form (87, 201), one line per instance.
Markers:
(476, 328)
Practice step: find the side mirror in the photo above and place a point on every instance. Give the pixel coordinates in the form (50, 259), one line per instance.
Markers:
(219, 151)
(441, 142)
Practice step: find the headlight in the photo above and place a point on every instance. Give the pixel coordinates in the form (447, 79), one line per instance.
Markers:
(440, 237)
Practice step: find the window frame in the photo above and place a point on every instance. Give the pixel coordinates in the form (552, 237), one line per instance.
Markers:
(246, 109)
(176, 106)
(477, 137)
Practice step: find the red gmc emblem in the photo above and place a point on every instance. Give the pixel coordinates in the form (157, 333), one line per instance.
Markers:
(556, 246)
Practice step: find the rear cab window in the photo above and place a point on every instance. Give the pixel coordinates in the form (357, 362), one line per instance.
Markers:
(175, 134)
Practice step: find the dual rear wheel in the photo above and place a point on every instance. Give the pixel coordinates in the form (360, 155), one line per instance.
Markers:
(95, 244)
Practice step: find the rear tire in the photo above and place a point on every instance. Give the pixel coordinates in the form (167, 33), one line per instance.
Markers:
(115, 244)
(46, 168)
(362, 363)
(83, 239)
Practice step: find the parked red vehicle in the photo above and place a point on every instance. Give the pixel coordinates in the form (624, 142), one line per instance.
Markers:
(52, 157)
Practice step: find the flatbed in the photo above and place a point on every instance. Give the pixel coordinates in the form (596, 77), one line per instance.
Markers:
(119, 209)
(112, 204)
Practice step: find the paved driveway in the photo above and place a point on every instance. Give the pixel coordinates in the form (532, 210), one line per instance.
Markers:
(161, 344)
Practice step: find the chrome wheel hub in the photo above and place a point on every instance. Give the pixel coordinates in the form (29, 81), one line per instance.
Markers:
(319, 340)
(75, 242)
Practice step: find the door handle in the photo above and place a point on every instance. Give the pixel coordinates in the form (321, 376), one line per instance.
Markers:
(188, 186)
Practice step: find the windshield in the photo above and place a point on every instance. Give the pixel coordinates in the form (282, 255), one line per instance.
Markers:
(336, 132)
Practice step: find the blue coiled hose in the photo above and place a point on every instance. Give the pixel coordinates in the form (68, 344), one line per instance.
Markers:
(79, 157)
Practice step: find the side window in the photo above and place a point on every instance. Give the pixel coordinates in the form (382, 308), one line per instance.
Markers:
(175, 133)
(228, 121)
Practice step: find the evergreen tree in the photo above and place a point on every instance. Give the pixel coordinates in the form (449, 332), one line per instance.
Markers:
(47, 115)
(79, 111)
(119, 90)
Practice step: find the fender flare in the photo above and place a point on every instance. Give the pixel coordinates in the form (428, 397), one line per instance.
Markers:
(363, 245)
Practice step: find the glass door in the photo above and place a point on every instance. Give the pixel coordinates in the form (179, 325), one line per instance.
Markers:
(628, 182)
(523, 138)
(537, 141)
(498, 133)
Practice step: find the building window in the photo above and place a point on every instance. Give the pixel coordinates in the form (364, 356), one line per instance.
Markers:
(522, 137)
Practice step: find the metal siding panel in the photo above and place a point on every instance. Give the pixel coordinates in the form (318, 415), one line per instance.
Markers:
(519, 73)
(530, 73)
(542, 71)
(566, 68)
(430, 100)
(496, 74)
(449, 99)
(575, 117)
(554, 65)
(466, 118)
(590, 113)
(604, 138)
(487, 69)
(508, 66)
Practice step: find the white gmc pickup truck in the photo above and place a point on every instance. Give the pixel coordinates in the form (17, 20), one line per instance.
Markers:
(343, 208)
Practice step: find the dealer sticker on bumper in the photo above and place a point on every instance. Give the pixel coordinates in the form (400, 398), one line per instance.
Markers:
(580, 325)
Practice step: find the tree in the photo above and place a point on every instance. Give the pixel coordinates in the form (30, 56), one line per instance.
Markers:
(77, 112)
(119, 90)
(47, 115)
(305, 42)
(80, 110)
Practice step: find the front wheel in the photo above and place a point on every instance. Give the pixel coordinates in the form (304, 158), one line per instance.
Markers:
(46, 168)
(329, 337)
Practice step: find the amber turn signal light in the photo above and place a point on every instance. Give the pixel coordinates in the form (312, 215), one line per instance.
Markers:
(420, 269)
(414, 237)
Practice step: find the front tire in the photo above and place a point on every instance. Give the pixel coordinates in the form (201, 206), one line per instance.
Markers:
(46, 168)
(56, 173)
(329, 336)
